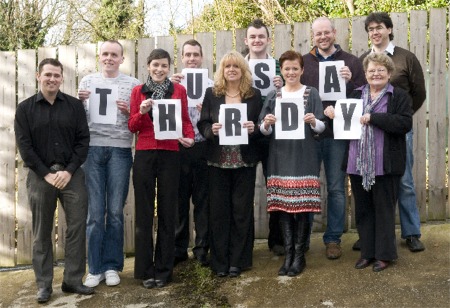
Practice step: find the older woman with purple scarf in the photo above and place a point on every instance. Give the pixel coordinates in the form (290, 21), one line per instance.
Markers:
(376, 162)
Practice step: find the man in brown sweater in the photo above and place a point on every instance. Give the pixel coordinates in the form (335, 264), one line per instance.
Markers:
(408, 75)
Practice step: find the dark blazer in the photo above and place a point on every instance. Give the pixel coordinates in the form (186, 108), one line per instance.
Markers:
(396, 122)
(210, 114)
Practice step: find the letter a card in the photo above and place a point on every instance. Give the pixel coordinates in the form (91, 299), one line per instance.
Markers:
(347, 113)
(331, 85)
(102, 103)
(167, 119)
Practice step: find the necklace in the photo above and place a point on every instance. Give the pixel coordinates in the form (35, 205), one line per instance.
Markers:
(232, 96)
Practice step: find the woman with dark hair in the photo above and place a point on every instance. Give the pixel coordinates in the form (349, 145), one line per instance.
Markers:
(232, 168)
(156, 164)
(293, 185)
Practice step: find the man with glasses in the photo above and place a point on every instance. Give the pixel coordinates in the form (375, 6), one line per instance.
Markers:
(332, 151)
(408, 75)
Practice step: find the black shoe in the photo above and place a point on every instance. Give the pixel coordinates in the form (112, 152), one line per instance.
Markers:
(78, 289)
(161, 283)
(149, 283)
(43, 295)
(234, 272)
(363, 263)
(414, 244)
(222, 274)
(357, 246)
(379, 265)
(179, 259)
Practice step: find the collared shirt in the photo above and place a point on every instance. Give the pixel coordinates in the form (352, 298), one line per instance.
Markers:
(52, 133)
(389, 49)
(330, 57)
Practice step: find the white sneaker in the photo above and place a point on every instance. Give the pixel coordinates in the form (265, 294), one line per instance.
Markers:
(94, 280)
(112, 278)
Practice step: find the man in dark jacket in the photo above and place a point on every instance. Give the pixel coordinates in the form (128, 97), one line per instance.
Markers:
(332, 151)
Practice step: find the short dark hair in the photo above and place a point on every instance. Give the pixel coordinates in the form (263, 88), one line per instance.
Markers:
(257, 23)
(380, 18)
(113, 42)
(157, 54)
(192, 43)
(291, 56)
(50, 61)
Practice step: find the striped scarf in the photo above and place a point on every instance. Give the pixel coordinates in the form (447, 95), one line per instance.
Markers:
(159, 89)
(365, 162)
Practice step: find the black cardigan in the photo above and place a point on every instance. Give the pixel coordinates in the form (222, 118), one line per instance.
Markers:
(395, 123)
(210, 114)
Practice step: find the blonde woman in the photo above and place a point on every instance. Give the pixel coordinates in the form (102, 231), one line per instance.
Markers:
(232, 169)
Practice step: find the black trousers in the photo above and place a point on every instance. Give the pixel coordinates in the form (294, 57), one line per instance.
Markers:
(375, 216)
(42, 198)
(275, 236)
(193, 183)
(231, 194)
(151, 169)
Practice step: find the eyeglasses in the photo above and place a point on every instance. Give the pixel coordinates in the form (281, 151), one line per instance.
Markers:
(378, 70)
(375, 29)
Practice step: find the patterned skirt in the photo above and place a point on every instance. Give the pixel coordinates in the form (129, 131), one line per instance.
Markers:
(293, 194)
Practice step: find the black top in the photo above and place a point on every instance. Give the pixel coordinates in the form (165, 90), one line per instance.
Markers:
(47, 134)
(210, 114)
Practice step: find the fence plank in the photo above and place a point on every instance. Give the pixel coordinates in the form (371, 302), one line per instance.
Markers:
(260, 205)
(46, 52)
(7, 158)
(26, 83)
(438, 124)
(167, 43)
(342, 33)
(145, 46)
(359, 36)
(302, 37)
(448, 108)
(282, 39)
(87, 60)
(67, 56)
(223, 40)
(418, 45)
(128, 66)
(239, 42)
(400, 31)
(206, 39)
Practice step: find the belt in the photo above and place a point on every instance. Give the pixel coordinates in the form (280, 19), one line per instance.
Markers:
(57, 167)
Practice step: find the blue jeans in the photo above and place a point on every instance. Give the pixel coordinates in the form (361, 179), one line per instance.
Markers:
(407, 205)
(332, 154)
(107, 178)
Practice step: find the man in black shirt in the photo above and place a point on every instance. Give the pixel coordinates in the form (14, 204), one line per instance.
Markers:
(53, 139)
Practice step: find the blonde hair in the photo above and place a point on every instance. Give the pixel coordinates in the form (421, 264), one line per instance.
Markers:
(220, 83)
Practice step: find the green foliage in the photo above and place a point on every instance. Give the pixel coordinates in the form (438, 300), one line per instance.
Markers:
(228, 15)
(118, 19)
(23, 24)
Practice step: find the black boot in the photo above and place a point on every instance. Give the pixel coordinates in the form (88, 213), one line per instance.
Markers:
(300, 239)
(287, 231)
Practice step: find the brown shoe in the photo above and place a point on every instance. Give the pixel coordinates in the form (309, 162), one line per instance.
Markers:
(333, 251)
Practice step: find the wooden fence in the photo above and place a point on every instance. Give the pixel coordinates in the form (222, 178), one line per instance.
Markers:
(423, 32)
